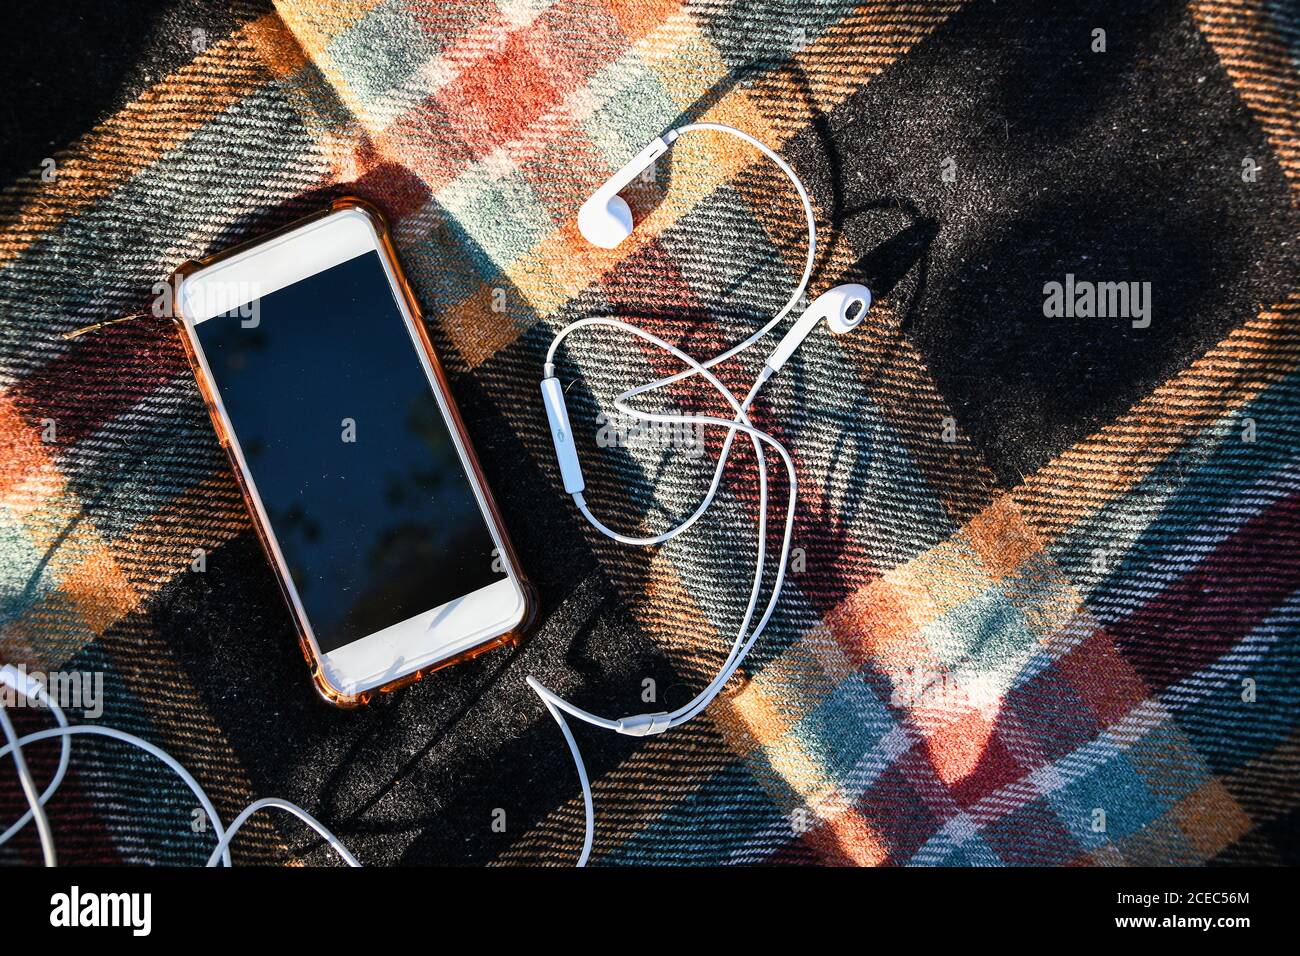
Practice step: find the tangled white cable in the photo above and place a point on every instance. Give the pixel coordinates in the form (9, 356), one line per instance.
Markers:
(605, 220)
(32, 690)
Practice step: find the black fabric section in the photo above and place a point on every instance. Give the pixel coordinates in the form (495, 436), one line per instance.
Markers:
(68, 66)
(1123, 166)
(1276, 842)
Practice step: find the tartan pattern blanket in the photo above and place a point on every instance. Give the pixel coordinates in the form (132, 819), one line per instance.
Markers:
(1044, 603)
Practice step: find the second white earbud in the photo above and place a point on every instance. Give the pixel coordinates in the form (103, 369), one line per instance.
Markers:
(605, 219)
(843, 307)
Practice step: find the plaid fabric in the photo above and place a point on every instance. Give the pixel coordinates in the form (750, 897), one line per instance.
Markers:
(1047, 574)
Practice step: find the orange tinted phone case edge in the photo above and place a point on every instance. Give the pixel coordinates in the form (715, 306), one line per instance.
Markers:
(328, 691)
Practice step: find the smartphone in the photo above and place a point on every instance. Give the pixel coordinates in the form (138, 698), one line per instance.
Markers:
(324, 389)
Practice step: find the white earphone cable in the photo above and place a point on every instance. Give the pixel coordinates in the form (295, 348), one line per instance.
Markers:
(221, 850)
(34, 690)
(35, 800)
(643, 724)
(64, 731)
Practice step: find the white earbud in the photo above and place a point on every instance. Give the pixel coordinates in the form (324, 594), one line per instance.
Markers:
(843, 307)
(605, 219)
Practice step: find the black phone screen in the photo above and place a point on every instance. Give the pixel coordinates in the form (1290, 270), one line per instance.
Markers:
(348, 449)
